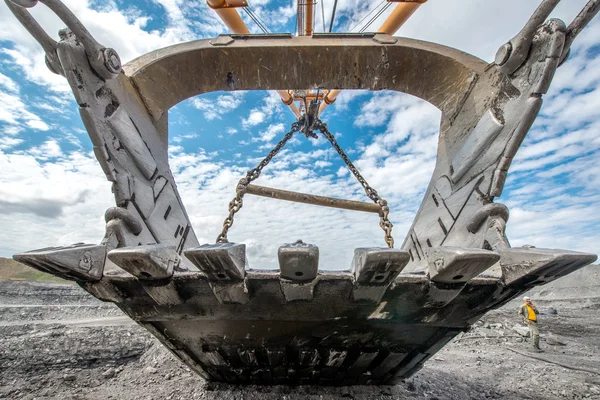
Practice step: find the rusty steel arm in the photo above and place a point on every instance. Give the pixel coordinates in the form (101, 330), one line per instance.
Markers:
(312, 199)
(401, 13)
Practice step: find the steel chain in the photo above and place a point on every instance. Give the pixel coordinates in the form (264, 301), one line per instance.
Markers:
(384, 221)
(236, 204)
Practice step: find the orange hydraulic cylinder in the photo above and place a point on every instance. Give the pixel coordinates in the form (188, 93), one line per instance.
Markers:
(399, 16)
(308, 24)
(329, 99)
(287, 99)
(232, 19)
(229, 16)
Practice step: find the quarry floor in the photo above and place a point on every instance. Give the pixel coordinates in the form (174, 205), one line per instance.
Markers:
(57, 342)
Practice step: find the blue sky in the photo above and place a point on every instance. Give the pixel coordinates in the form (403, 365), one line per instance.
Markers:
(53, 192)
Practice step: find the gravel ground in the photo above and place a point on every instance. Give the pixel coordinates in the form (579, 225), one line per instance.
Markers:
(57, 342)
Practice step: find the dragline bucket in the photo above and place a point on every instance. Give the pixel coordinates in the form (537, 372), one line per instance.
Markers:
(376, 323)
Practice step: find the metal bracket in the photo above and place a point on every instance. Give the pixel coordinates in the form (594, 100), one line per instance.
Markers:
(511, 55)
(105, 61)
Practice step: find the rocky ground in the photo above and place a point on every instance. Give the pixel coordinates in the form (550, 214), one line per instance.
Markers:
(57, 342)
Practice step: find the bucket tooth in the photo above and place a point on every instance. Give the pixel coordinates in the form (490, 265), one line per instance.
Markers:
(378, 266)
(457, 264)
(79, 262)
(298, 261)
(150, 262)
(221, 262)
(530, 266)
(299, 266)
(224, 265)
(153, 266)
(374, 269)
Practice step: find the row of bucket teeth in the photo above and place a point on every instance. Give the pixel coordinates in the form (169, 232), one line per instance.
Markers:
(224, 264)
(373, 269)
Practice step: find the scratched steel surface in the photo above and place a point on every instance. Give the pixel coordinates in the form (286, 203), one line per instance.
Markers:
(382, 319)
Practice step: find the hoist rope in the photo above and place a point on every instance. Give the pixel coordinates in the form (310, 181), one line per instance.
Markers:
(368, 14)
(333, 15)
(375, 17)
(262, 22)
(323, 14)
(256, 19)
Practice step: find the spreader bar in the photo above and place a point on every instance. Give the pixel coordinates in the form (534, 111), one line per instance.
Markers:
(312, 199)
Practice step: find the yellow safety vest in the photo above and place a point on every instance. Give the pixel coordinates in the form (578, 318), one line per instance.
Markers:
(530, 313)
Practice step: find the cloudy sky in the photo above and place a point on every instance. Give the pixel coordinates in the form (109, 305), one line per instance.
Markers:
(53, 192)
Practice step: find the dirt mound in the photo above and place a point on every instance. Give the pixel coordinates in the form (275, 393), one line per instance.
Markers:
(581, 284)
(13, 270)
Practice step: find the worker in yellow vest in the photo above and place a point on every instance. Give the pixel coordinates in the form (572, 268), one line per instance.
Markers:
(529, 314)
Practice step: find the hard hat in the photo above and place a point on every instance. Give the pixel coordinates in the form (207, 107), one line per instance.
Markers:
(526, 298)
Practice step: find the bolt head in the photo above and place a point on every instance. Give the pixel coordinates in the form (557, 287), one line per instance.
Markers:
(503, 54)
(112, 61)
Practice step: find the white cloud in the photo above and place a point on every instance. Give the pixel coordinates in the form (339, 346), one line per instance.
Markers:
(272, 18)
(8, 84)
(123, 29)
(342, 172)
(16, 114)
(7, 142)
(256, 117)
(271, 106)
(344, 99)
(51, 203)
(322, 164)
(214, 109)
(270, 133)
(181, 138)
(48, 149)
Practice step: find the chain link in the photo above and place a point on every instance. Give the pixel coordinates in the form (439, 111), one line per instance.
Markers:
(384, 221)
(236, 204)
(301, 126)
